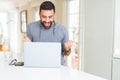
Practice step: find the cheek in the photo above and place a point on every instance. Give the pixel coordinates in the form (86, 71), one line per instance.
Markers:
(42, 19)
(51, 19)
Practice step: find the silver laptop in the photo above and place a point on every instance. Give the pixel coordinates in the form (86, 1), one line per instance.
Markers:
(42, 54)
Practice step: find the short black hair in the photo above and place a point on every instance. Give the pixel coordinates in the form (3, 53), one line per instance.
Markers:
(47, 5)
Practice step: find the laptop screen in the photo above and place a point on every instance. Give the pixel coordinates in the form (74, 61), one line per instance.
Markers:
(42, 54)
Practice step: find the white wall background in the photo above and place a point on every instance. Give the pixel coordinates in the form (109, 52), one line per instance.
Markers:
(116, 69)
(117, 29)
(98, 37)
(116, 55)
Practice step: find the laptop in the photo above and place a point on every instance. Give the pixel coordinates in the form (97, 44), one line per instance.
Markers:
(42, 54)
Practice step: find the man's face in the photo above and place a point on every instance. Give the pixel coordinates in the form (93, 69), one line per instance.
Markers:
(47, 17)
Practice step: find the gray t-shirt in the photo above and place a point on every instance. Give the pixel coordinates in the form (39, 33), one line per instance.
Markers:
(56, 33)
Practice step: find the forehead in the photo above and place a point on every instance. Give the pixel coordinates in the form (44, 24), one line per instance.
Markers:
(47, 12)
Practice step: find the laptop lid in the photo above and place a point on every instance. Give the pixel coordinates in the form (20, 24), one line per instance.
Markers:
(42, 54)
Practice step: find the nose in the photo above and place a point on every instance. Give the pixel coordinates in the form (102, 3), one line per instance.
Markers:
(47, 19)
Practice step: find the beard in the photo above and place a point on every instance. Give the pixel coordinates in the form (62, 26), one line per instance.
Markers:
(46, 25)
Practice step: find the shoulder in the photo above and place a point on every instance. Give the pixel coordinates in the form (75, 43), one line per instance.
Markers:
(60, 26)
(34, 24)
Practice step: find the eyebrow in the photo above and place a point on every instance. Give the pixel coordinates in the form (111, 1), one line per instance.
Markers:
(47, 16)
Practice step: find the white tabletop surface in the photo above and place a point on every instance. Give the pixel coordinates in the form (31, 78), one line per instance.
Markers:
(62, 73)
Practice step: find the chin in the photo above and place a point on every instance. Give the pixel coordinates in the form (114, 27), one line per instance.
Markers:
(47, 27)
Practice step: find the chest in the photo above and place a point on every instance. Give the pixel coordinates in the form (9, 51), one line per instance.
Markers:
(52, 35)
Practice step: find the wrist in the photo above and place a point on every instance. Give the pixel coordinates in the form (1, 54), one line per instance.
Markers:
(68, 50)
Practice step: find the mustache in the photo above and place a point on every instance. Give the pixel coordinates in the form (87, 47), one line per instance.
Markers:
(47, 22)
(44, 22)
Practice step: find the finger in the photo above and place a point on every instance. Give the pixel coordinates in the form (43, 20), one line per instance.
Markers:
(26, 39)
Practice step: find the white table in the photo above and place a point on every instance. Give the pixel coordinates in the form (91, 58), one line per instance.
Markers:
(62, 73)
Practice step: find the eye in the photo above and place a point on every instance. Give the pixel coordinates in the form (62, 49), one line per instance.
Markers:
(50, 16)
(43, 16)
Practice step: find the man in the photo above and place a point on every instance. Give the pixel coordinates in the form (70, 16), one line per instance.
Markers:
(48, 30)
